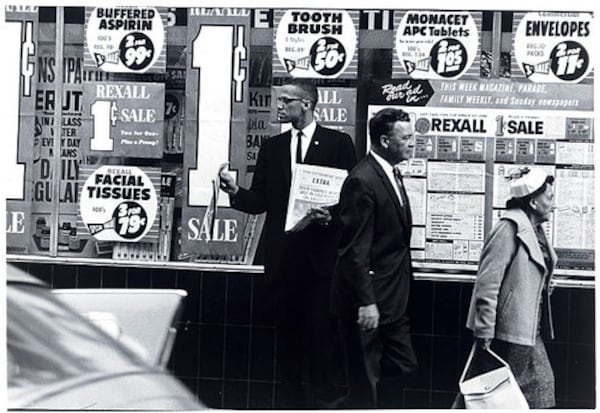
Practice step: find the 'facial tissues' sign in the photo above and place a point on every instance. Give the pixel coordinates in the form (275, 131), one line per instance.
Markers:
(118, 203)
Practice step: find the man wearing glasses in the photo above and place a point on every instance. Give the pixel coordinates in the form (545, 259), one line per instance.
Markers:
(298, 265)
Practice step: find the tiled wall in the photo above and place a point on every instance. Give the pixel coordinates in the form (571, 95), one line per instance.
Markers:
(225, 346)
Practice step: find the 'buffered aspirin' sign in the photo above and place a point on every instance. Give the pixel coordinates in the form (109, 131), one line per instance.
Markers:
(315, 43)
(554, 46)
(118, 203)
(125, 39)
(436, 44)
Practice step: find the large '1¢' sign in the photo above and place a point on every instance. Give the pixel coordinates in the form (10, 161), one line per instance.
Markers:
(19, 36)
(216, 112)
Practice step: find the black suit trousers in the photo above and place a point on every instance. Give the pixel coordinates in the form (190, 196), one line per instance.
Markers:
(375, 358)
(305, 336)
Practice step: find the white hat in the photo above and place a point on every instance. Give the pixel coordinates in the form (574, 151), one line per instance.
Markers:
(525, 181)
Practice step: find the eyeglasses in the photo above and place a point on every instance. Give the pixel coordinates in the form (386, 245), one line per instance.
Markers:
(286, 101)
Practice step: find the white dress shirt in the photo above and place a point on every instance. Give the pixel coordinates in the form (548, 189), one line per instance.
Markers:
(389, 172)
(307, 134)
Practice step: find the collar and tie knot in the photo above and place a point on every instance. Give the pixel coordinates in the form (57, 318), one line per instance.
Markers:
(398, 175)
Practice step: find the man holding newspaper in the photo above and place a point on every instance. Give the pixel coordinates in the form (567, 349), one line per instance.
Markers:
(299, 262)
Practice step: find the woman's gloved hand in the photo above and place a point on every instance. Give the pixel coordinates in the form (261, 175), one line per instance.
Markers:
(483, 343)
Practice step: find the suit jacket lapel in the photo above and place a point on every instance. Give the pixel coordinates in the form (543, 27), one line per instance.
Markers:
(314, 148)
(389, 188)
(286, 160)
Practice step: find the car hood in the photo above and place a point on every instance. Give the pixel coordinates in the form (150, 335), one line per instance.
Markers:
(132, 390)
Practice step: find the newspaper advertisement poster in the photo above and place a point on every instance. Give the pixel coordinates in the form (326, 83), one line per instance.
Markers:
(459, 145)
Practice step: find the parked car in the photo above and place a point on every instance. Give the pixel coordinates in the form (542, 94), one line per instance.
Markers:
(57, 359)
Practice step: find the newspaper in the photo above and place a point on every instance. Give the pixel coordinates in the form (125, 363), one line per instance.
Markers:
(312, 187)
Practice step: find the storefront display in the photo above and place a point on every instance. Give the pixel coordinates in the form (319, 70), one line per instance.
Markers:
(154, 101)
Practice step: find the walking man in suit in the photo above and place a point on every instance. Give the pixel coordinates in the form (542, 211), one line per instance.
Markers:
(299, 264)
(371, 282)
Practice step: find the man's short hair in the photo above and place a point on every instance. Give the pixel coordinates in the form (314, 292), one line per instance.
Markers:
(383, 122)
(308, 89)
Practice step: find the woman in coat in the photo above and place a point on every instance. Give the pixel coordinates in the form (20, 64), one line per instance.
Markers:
(510, 305)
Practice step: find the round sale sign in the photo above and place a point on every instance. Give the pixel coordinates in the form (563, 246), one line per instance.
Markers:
(554, 46)
(315, 43)
(118, 203)
(436, 44)
(125, 39)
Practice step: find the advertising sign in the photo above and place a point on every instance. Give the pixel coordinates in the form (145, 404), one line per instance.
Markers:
(336, 109)
(120, 203)
(124, 119)
(554, 47)
(216, 113)
(316, 43)
(261, 125)
(126, 39)
(471, 134)
(174, 125)
(20, 43)
(435, 44)
(48, 89)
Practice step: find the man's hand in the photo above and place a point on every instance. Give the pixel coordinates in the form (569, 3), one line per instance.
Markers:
(368, 317)
(318, 215)
(321, 216)
(227, 183)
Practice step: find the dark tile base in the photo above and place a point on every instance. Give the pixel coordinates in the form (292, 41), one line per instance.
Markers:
(225, 348)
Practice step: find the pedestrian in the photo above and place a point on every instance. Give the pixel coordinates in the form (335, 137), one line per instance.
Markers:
(510, 305)
(372, 280)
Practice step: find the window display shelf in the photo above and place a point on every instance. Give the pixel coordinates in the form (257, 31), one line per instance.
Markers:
(426, 272)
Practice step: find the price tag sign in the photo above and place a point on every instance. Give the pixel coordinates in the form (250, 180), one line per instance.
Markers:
(436, 44)
(125, 39)
(119, 203)
(554, 46)
(316, 43)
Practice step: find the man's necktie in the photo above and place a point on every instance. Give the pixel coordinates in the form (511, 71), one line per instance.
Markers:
(299, 148)
(403, 196)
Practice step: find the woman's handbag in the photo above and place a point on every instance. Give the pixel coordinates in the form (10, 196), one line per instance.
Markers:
(495, 389)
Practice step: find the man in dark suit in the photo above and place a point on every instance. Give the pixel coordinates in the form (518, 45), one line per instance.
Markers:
(299, 264)
(371, 282)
